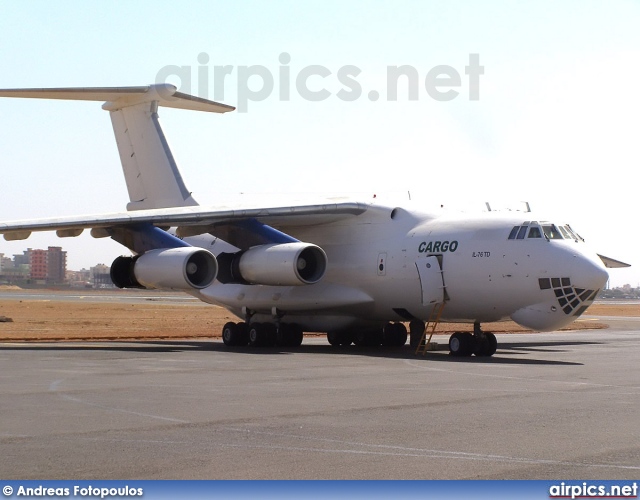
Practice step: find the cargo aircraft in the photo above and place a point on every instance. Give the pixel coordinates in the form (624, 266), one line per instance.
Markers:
(357, 271)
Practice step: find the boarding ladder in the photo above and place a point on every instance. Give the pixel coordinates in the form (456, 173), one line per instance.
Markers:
(430, 328)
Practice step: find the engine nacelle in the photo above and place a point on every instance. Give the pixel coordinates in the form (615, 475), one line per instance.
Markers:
(169, 268)
(280, 264)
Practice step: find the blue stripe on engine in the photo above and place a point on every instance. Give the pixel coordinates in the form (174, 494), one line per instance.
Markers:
(141, 238)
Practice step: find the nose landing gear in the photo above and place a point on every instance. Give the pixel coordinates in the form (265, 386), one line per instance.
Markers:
(482, 344)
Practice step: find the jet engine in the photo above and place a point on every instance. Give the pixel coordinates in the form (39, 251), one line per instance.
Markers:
(181, 268)
(280, 264)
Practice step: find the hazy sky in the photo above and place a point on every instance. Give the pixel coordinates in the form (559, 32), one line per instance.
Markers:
(555, 122)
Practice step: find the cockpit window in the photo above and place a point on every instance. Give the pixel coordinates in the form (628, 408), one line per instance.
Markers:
(534, 232)
(573, 234)
(535, 229)
(520, 232)
(551, 232)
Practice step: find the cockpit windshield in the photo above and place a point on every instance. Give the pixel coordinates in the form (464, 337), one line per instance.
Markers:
(551, 232)
(535, 229)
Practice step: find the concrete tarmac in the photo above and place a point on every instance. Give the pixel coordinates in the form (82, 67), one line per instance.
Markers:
(546, 406)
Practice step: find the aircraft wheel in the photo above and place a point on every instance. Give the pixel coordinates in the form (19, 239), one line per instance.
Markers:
(375, 338)
(487, 346)
(243, 334)
(394, 335)
(416, 329)
(296, 335)
(389, 334)
(282, 335)
(492, 344)
(363, 338)
(228, 334)
(360, 338)
(234, 334)
(289, 335)
(461, 344)
(346, 338)
(334, 338)
(400, 335)
(340, 338)
(262, 334)
(256, 335)
(368, 338)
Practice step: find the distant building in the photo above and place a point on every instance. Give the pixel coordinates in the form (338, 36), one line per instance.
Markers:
(101, 275)
(56, 265)
(79, 279)
(45, 266)
(11, 273)
(22, 260)
(37, 265)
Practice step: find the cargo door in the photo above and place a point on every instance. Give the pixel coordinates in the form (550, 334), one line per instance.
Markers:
(431, 279)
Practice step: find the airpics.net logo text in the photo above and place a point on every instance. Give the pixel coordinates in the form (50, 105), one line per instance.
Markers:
(257, 83)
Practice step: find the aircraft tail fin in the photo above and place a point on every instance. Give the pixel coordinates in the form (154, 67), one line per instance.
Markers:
(151, 173)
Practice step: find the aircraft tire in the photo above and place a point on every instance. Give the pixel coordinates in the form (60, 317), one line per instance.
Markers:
(296, 335)
(367, 338)
(394, 335)
(289, 335)
(400, 335)
(461, 344)
(231, 334)
(389, 335)
(487, 347)
(243, 334)
(360, 338)
(346, 338)
(262, 335)
(283, 335)
(375, 338)
(334, 338)
(340, 338)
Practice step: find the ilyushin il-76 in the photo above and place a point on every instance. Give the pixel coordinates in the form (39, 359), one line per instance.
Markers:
(357, 271)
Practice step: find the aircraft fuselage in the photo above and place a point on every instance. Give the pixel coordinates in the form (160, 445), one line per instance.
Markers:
(392, 264)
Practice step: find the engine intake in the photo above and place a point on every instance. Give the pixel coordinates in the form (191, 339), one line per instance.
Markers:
(170, 268)
(280, 264)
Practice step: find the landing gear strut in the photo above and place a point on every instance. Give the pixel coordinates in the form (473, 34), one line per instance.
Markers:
(479, 343)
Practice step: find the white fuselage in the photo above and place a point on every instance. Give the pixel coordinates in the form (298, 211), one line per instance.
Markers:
(379, 270)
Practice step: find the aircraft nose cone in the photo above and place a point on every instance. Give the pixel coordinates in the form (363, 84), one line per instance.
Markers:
(590, 272)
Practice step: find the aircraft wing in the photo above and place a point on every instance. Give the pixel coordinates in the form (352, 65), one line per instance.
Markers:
(611, 263)
(190, 221)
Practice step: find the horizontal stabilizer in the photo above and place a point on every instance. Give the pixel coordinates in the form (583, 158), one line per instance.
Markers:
(611, 263)
(165, 94)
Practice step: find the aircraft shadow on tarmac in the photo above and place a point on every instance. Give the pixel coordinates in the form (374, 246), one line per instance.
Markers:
(508, 353)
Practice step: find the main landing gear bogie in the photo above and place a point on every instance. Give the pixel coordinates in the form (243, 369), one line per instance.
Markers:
(262, 335)
(392, 335)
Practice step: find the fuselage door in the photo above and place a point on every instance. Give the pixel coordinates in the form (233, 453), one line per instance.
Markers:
(431, 279)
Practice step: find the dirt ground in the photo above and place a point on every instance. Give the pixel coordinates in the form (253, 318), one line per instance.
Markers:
(48, 320)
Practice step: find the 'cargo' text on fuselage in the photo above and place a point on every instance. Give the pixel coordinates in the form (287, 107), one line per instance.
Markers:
(438, 246)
